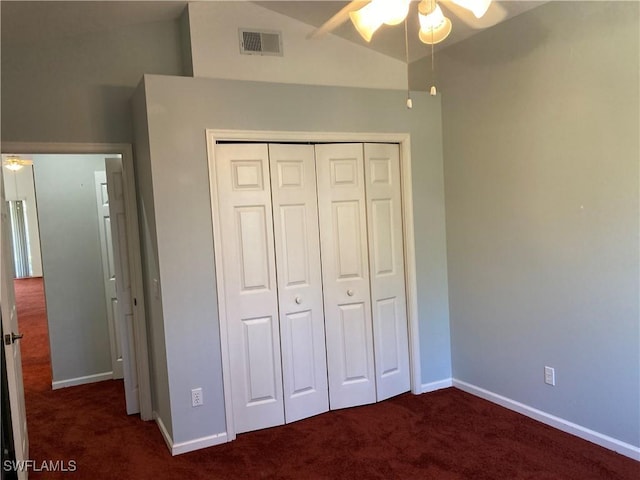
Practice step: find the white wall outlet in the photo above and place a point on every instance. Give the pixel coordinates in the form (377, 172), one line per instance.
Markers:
(550, 376)
(196, 397)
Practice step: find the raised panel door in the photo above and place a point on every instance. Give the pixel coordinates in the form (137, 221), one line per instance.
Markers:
(253, 327)
(123, 306)
(386, 261)
(345, 271)
(295, 220)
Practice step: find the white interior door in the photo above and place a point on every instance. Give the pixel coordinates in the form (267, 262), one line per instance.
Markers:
(347, 301)
(295, 222)
(10, 343)
(109, 273)
(251, 298)
(386, 262)
(124, 304)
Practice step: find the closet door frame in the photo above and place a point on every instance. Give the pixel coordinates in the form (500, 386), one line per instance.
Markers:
(214, 136)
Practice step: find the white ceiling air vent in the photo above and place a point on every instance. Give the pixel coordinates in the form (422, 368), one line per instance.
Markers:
(260, 42)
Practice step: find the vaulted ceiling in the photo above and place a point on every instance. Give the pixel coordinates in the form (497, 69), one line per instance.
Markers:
(390, 40)
(42, 21)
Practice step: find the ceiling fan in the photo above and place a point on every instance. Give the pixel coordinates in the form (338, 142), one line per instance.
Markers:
(15, 163)
(369, 15)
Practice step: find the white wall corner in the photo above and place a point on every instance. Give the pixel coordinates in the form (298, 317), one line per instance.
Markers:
(592, 436)
(190, 445)
(438, 385)
(163, 430)
(198, 443)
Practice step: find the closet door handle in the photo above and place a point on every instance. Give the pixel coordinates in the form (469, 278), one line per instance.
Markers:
(298, 299)
(350, 292)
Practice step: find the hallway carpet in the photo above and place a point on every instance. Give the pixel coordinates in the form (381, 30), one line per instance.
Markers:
(442, 435)
(32, 321)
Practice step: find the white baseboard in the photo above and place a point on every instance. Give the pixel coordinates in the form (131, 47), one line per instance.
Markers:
(601, 439)
(198, 443)
(72, 382)
(191, 445)
(433, 386)
(163, 430)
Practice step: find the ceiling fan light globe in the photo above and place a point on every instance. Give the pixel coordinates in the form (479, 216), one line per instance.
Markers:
(434, 27)
(393, 11)
(366, 21)
(433, 21)
(435, 35)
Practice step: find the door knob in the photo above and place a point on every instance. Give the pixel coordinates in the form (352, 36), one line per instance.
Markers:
(350, 293)
(298, 299)
(9, 339)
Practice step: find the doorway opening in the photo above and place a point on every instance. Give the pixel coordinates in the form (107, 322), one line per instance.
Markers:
(64, 293)
(66, 310)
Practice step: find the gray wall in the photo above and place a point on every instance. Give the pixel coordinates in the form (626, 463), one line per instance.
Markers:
(149, 252)
(78, 89)
(72, 264)
(541, 143)
(179, 110)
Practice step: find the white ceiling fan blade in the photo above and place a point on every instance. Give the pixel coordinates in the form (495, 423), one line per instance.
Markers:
(477, 7)
(495, 14)
(338, 19)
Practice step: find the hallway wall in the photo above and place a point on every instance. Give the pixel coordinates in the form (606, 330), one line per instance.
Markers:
(72, 266)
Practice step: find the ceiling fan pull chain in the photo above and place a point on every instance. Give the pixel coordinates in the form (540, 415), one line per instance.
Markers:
(406, 51)
(433, 90)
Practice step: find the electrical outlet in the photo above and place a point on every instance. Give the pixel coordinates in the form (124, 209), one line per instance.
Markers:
(550, 376)
(196, 397)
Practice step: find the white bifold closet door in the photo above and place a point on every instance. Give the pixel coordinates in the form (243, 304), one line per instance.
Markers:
(345, 272)
(314, 287)
(386, 266)
(295, 224)
(251, 295)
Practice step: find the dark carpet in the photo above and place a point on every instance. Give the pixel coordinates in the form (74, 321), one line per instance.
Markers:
(442, 435)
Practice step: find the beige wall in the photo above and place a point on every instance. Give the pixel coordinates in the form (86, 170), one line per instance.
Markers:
(541, 146)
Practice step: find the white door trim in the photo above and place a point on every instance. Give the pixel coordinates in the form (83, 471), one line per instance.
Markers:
(404, 140)
(140, 331)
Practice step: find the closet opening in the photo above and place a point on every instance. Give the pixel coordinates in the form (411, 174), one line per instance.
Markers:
(315, 272)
